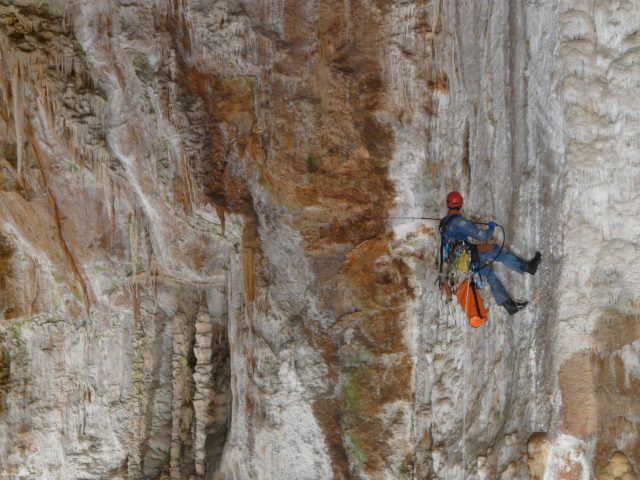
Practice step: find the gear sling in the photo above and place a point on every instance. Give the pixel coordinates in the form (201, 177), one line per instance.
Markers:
(461, 254)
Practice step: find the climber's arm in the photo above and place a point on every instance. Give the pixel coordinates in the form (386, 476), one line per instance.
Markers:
(468, 229)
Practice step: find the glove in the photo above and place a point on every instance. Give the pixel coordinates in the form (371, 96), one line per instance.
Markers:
(492, 225)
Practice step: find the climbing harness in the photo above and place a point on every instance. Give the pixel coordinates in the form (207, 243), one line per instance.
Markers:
(461, 257)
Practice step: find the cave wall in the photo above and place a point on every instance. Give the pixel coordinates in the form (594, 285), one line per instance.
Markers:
(209, 266)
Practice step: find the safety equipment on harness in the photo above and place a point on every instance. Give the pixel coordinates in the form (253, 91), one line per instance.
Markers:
(447, 246)
(471, 302)
(460, 256)
(454, 200)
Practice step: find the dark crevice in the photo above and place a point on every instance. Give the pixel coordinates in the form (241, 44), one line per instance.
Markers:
(219, 408)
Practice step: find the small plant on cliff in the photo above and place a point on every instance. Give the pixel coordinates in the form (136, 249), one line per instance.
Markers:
(164, 163)
(312, 163)
(367, 357)
(112, 290)
(354, 451)
(141, 65)
(352, 394)
(406, 467)
(15, 330)
(6, 251)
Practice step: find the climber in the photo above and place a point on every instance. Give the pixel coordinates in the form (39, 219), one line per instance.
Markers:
(457, 230)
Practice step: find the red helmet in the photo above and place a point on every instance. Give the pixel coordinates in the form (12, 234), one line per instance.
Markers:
(454, 200)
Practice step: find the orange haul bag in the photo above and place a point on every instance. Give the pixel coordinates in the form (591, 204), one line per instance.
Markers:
(472, 304)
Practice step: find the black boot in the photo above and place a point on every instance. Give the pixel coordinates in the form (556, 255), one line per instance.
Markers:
(513, 307)
(532, 265)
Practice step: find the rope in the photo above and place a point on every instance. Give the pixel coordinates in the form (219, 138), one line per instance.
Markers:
(414, 218)
(464, 386)
(427, 218)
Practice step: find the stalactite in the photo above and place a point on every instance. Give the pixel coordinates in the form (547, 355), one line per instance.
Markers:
(203, 382)
(6, 84)
(34, 286)
(17, 92)
(112, 209)
(221, 212)
(107, 189)
(181, 386)
(134, 465)
(141, 359)
(65, 65)
(133, 245)
(181, 164)
(99, 109)
(190, 186)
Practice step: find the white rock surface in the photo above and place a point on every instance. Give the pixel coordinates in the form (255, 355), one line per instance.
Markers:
(210, 265)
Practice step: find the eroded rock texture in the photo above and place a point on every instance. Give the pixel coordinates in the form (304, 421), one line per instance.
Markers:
(210, 266)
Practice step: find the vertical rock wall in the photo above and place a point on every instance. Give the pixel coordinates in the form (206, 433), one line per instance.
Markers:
(110, 266)
(596, 355)
(475, 86)
(208, 264)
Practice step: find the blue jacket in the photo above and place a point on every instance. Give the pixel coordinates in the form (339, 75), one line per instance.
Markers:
(460, 229)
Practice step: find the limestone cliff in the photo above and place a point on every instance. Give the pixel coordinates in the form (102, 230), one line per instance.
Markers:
(210, 266)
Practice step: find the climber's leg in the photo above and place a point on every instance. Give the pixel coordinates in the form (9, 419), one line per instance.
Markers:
(498, 291)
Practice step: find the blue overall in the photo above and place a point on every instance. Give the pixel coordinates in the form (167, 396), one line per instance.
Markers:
(461, 229)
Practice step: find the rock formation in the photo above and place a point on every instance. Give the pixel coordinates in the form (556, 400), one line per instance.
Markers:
(211, 266)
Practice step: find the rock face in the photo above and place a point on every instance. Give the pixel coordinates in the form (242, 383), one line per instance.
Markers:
(210, 266)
